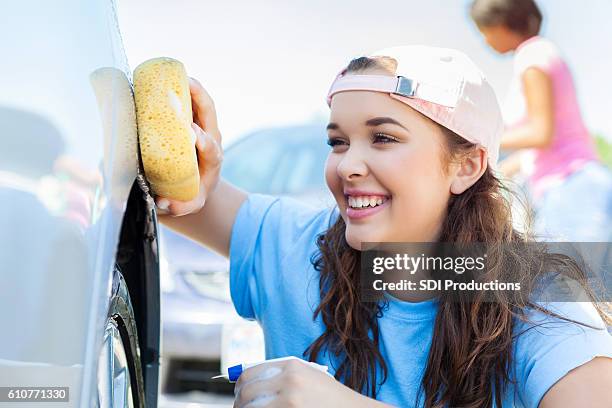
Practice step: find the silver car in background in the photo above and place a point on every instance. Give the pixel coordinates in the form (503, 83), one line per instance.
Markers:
(79, 277)
(202, 332)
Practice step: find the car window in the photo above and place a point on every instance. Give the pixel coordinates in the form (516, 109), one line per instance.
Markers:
(251, 163)
(307, 171)
(278, 161)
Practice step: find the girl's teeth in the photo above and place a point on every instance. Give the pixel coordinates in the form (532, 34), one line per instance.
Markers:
(366, 201)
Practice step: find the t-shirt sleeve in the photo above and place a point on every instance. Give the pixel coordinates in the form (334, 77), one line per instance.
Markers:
(265, 231)
(547, 348)
(540, 54)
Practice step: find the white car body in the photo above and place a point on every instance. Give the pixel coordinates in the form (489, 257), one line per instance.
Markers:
(69, 164)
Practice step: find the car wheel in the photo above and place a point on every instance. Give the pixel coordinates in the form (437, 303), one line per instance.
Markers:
(120, 382)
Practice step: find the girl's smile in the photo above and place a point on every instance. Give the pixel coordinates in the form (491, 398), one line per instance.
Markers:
(363, 205)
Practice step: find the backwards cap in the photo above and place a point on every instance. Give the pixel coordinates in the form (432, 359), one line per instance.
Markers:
(442, 84)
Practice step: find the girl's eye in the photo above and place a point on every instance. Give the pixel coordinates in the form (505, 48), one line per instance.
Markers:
(334, 142)
(378, 138)
(383, 138)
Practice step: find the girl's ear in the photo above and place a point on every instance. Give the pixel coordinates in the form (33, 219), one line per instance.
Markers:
(466, 173)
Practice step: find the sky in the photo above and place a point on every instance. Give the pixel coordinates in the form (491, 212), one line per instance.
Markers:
(270, 63)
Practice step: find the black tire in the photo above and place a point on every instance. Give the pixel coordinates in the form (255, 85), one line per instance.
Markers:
(121, 312)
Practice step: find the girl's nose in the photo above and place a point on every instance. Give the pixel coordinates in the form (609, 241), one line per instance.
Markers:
(352, 165)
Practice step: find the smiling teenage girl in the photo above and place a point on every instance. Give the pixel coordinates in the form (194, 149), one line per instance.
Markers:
(414, 134)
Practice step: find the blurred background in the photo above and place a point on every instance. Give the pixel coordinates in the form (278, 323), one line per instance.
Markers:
(271, 64)
(268, 66)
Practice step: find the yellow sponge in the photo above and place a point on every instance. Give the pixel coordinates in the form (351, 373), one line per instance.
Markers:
(167, 141)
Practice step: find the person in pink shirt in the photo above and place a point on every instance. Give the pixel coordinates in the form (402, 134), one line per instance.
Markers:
(570, 189)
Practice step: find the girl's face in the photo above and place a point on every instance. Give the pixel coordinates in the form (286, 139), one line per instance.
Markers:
(385, 169)
(501, 38)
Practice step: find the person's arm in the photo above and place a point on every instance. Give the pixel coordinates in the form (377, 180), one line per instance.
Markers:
(212, 225)
(208, 218)
(563, 363)
(589, 385)
(539, 129)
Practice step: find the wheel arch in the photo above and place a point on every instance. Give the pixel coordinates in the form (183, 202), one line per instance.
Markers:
(138, 259)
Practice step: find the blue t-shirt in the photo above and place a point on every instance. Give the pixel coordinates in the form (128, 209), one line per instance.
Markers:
(273, 281)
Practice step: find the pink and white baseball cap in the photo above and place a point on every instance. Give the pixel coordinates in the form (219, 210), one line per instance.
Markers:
(441, 83)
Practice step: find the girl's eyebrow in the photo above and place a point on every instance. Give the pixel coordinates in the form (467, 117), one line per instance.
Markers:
(381, 120)
(371, 122)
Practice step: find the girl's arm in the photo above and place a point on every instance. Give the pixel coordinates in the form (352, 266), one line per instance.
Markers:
(589, 385)
(209, 218)
(211, 226)
(539, 129)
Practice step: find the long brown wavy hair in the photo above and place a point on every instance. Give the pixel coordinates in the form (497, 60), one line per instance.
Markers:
(471, 352)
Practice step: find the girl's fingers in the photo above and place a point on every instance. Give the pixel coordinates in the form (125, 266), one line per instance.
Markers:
(259, 389)
(263, 370)
(209, 152)
(203, 109)
(200, 137)
(263, 402)
(162, 204)
(258, 373)
(176, 208)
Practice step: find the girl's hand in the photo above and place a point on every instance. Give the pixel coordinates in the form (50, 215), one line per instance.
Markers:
(293, 384)
(209, 153)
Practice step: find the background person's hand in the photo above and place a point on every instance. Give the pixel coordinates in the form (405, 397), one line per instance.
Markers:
(209, 153)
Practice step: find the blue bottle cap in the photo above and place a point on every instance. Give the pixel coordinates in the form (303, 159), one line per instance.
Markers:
(234, 372)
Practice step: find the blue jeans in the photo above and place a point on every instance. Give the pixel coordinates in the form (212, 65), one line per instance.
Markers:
(579, 209)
